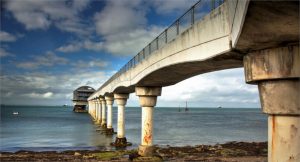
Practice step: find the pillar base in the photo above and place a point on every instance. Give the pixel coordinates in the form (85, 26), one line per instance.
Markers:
(97, 122)
(104, 126)
(146, 150)
(109, 131)
(121, 142)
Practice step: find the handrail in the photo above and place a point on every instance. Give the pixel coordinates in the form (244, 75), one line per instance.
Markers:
(195, 13)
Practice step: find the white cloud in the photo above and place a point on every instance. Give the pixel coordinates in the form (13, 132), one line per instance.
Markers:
(171, 6)
(77, 46)
(4, 53)
(120, 16)
(42, 14)
(7, 37)
(38, 95)
(49, 59)
(123, 43)
(90, 64)
(130, 43)
(123, 26)
(46, 88)
(223, 87)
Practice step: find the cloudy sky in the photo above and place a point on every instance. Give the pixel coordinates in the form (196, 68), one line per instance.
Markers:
(49, 48)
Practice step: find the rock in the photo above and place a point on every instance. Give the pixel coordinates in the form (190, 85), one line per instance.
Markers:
(77, 154)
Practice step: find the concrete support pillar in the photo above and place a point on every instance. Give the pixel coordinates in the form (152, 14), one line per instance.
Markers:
(103, 103)
(94, 109)
(97, 110)
(277, 73)
(121, 140)
(147, 99)
(99, 116)
(89, 105)
(109, 101)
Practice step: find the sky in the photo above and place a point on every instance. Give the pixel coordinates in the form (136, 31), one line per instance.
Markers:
(50, 48)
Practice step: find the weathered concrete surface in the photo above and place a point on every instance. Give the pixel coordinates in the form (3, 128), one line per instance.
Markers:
(277, 73)
(269, 24)
(147, 95)
(109, 101)
(281, 97)
(99, 116)
(147, 98)
(283, 138)
(103, 122)
(94, 109)
(273, 63)
(121, 100)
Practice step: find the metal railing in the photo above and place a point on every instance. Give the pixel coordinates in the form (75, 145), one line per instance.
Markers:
(190, 17)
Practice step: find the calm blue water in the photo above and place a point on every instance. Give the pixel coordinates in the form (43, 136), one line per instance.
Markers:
(56, 128)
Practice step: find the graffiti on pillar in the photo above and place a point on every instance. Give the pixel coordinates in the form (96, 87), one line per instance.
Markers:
(148, 134)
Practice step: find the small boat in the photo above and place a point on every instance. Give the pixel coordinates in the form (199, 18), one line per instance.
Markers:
(219, 107)
(186, 108)
(15, 113)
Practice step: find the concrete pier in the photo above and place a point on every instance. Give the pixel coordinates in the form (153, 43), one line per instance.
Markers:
(147, 98)
(89, 107)
(99, 116)
(109, 101)
(277, 73)
(103, 103)
(97, 109)
(94, 110)
(121, 140)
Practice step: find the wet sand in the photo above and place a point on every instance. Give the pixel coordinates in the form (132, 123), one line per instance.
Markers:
(228, 152)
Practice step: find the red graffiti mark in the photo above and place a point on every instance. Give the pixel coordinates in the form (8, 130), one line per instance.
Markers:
(147, 138)
(273, 135)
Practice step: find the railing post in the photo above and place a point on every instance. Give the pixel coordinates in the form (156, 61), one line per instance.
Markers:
(177, 27)
(193, 15)
(156, 43)
(220, 2)
(212, 4)
(166, 36)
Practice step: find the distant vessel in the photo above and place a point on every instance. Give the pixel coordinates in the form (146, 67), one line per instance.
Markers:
(15, 113)
(219, 107)
(186, 109)
(65, 105)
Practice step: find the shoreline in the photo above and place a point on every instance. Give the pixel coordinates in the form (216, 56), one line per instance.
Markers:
(230, 151)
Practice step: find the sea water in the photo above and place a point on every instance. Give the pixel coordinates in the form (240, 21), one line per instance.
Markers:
(49, 128)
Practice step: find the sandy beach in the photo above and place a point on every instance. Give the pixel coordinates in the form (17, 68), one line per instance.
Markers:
(228, 152)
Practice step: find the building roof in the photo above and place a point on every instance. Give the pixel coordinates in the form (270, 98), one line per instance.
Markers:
(85, 89)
